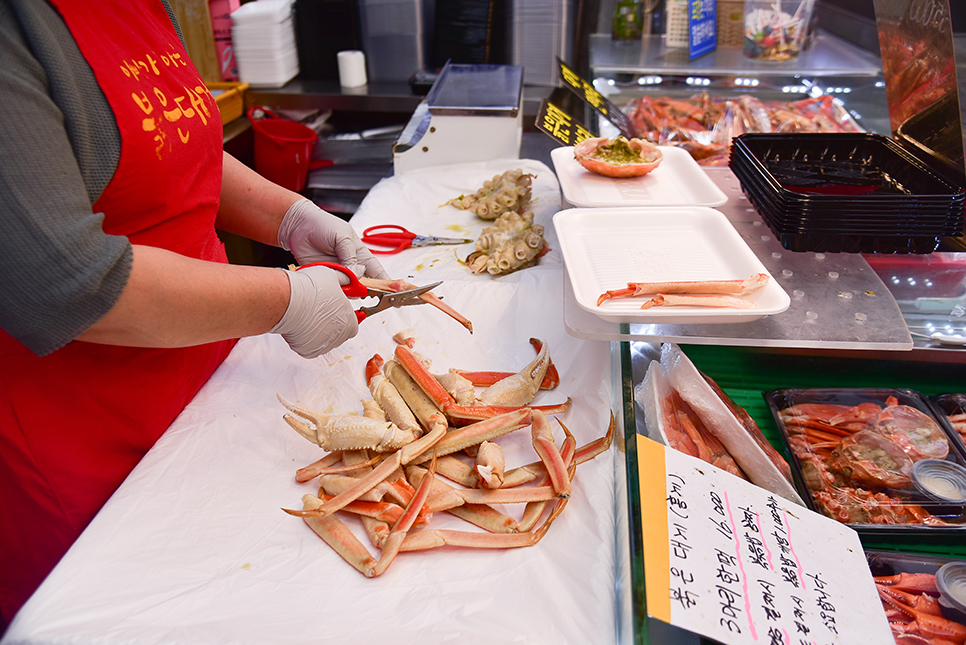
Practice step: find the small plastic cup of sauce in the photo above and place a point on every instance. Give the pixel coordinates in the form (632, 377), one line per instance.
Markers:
(940, 480)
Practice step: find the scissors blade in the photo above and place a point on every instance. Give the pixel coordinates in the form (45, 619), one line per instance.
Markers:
(389, 299)
(429, 240)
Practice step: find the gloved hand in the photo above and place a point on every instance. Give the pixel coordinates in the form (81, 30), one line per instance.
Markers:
(313, 235)
(319, 317)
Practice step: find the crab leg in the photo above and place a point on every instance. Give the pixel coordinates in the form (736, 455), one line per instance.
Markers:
(435, 538)
(486, 430)
(383, 470)
(533, 510)
(388, 397)
(428, 297)
(337, 535)
(733, 287)
(401, 528)
(545, 447)
(514, 391)
(425, 409)
(929, 625)
(316, 468)
(446, 498)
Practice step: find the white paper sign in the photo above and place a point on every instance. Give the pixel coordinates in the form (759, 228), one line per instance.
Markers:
(733, 562)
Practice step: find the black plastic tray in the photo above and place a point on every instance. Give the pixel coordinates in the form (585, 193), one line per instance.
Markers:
(910, 534)
(946, 405)
(837, 157)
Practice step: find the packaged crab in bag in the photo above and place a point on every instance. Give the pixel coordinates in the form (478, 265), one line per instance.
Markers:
(924, 597)
(876, 459)
(686, 410)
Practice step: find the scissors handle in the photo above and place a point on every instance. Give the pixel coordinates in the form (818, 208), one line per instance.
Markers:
(354, 289)
(388, 235)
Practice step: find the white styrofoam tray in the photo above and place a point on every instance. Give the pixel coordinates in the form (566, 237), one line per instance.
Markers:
(605, 248)
(678, 181)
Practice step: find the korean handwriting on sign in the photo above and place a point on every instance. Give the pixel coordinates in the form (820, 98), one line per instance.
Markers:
(166, 112)
(823, 602)
(719, 519)
(675, 500)
(682, 594)
(787, 564)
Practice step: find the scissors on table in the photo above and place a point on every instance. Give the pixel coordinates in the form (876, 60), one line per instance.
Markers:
(399, 238)
(387, 299)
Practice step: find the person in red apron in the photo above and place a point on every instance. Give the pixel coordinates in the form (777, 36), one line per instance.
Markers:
(77, 412)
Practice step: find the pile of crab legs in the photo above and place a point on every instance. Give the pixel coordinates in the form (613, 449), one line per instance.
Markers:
(914, 613)
(382, 466)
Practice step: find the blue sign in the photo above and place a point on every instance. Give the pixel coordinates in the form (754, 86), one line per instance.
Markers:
(702, 27)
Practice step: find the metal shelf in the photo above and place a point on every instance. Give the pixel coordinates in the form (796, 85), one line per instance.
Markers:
(829, 56)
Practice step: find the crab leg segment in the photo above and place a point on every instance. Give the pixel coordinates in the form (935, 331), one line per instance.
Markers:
(689, 287)
(428, 297)
(388, 397)
(401, 528)
(545, 447)
(486, 430)
(426, 411)
(337, 535)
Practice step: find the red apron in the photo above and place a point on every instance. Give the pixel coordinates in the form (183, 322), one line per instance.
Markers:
(74, 423)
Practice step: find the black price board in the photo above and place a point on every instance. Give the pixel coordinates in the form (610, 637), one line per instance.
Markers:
(585, 90)
(563, 127)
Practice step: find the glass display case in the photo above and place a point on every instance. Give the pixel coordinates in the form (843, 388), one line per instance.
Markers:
(889, 320)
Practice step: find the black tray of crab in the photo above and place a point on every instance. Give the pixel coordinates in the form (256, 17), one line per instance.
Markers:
(875, 459)
(951, 411)
(924, 597)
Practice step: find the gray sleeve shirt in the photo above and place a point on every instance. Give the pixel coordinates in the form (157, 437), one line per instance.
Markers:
(59, 148)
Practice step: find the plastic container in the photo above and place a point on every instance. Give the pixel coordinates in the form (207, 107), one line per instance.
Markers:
(283, 149)
(853, 455)
(848, 192)
(939, 578)
(775, 30)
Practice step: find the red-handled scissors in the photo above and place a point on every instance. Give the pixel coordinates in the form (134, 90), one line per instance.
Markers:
(398, 238)
(355, 289)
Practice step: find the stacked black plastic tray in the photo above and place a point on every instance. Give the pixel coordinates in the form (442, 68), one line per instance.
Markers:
(846, 192)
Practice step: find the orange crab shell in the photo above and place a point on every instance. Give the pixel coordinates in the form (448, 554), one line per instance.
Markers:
(586, 155)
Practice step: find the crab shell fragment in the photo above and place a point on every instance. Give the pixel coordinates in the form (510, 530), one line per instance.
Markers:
(619, 157)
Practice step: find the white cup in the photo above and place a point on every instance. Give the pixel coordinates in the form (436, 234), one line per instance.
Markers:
(352, 68)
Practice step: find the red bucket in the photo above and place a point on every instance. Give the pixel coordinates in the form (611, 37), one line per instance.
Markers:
(283, 149)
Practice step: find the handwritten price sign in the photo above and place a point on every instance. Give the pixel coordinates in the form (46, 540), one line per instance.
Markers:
(733, 562)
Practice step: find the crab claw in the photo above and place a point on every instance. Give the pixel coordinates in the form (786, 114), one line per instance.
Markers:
(344, 432)
(519, 388)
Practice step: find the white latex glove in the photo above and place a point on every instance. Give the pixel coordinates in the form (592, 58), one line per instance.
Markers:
(319, 317)
(314, 235)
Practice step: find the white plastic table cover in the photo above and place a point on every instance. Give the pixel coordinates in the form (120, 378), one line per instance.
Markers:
(194, 546)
